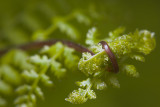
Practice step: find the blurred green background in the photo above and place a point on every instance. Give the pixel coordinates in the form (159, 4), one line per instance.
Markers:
(19, 19)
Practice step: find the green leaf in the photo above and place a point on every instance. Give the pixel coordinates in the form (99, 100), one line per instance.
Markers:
(39, 92)
(82, 18)
(82, 95)
(36, 59)
(100, 85)
(21, 99)
(17, 58)
(33, 98)
(10, 75)
(70, 60)
(54, 51)
(90, 65)
(116, 33)
(46, 80)
(140, 41)
(67, 28)
(146, 41)
(57, 69)
(91, 94)
(130, 70)
(92, 36)
(77, 96)
(85, 83)
(39, 35)
(23, 89)
(138, 57)
(113, 81)
(30, 75)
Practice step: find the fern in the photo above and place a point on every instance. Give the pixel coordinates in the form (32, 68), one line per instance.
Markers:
(34, 68)
(96, 66)
(48, 61)
(24, 70)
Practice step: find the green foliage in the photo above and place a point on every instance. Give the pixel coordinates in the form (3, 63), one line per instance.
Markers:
(13, 77)
(23, 74)
(82, 95)
(26, 73)
(62, 23)
(28, 80)
(91, 36)
(97, 66)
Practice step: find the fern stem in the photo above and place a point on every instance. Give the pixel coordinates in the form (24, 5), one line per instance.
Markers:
(51, 29)
(77, 47)
(40, 44)
(111, 56)
(35, 83)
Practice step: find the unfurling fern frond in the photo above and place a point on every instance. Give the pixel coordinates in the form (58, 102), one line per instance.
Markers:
(99, 67)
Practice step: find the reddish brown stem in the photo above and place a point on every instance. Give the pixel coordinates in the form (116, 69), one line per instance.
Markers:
(111, 56)
(77, 47)
(40, 44)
